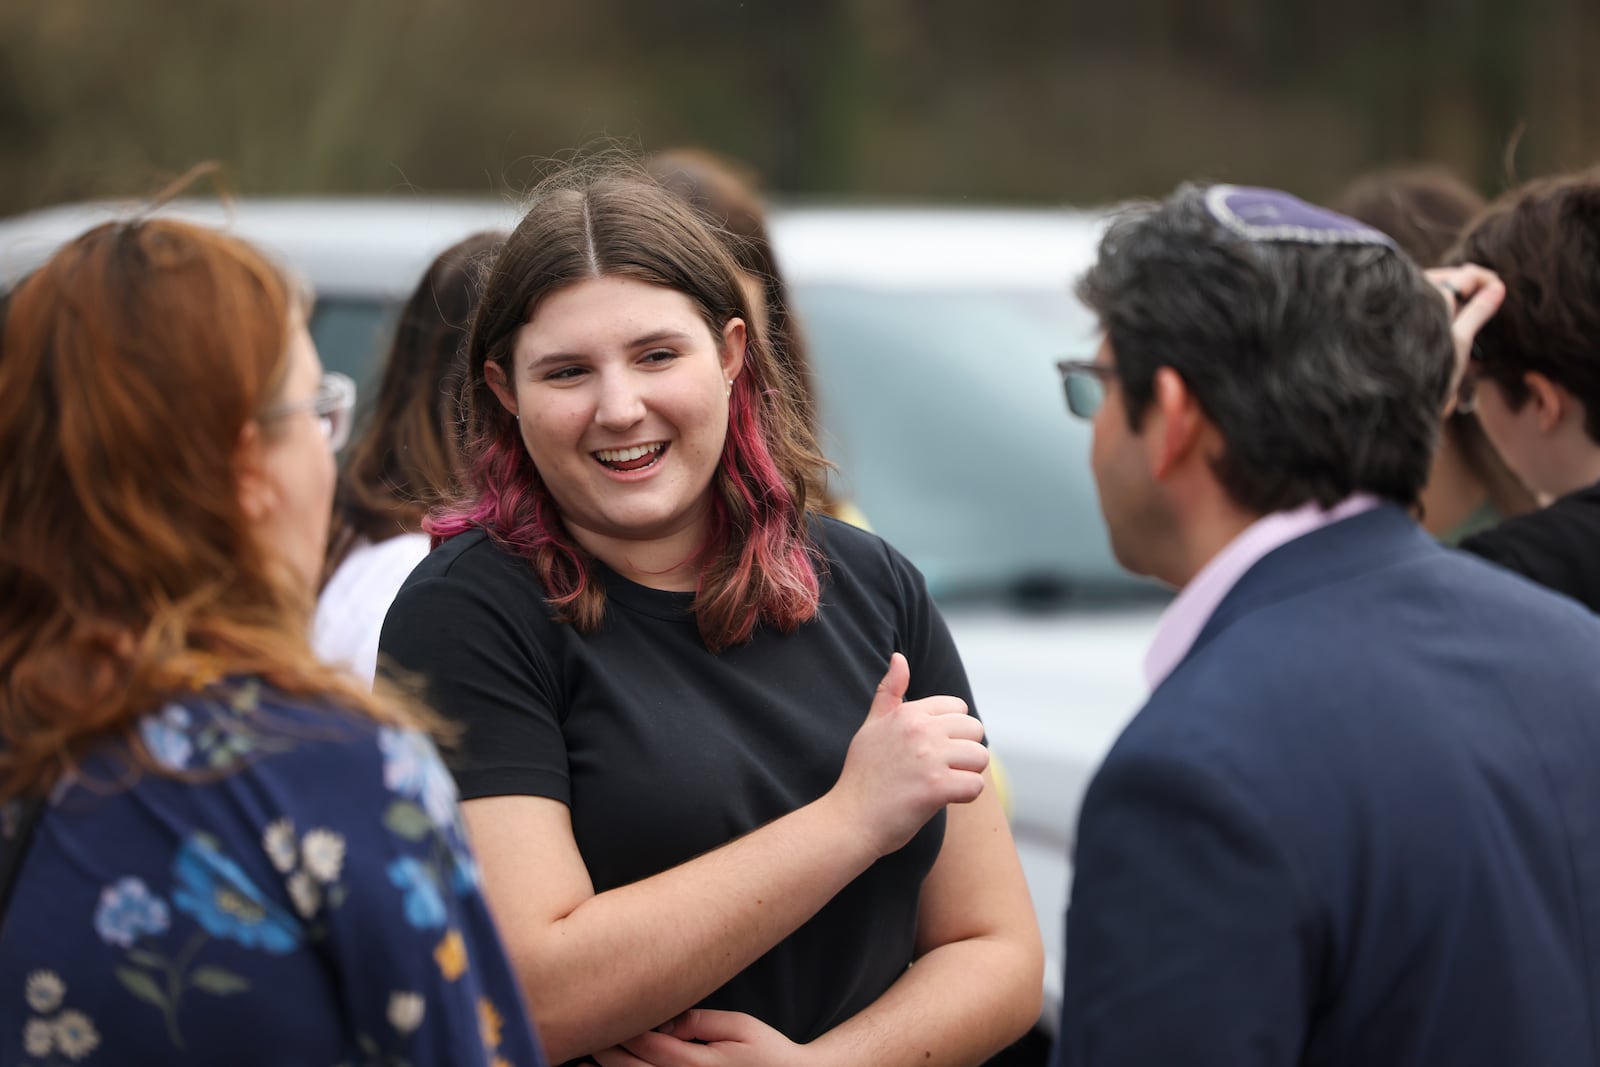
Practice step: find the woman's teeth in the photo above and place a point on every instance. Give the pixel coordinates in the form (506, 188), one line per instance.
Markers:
(634, 458)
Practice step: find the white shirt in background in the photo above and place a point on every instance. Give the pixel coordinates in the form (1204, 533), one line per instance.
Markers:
(350, 611)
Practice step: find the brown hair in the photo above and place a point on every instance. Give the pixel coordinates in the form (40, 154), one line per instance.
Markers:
(1543, 240)
(129, 571)
(1425, 209)
(608, 219)
(404, 461)
(726, 195)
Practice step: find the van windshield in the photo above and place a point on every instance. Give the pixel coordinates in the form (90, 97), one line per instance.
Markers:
(944, 413)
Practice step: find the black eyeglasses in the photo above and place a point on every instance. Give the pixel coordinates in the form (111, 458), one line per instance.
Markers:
(1085, 384)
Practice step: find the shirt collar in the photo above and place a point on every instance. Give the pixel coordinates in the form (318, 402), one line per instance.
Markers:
(1188, 614)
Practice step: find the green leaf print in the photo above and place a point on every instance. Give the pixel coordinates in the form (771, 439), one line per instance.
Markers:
(218, 982)
(142, 986)
(407, 820)
(146, 959)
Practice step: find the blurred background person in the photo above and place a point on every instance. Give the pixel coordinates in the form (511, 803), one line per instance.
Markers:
(1424, 209)
(1535, 374)
(726, 194)
(402, 461)
(244, 858)
(661, 656)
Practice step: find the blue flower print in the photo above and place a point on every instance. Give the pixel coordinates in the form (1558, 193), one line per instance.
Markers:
(463, 872)
(424, 905)
(221, 898)
(128, 909)
(412, 768)
(166, 735)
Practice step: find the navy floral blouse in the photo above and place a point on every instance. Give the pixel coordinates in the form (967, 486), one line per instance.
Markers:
(303, 894)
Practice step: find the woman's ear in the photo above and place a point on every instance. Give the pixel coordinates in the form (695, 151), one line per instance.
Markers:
(258, 496)
(734, 338)
(1550, 401)
(495, 376)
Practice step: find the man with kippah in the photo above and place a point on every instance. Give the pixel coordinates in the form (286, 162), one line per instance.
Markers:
(1358, 821)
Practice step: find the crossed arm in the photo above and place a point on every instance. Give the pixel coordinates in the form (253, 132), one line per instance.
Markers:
(603, 969)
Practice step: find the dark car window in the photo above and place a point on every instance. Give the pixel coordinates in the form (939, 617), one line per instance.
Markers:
(351, 334)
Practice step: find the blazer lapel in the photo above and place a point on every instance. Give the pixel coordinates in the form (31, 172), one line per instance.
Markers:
(1333, 553)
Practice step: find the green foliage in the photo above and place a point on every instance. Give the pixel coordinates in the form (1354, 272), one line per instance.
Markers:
(218, 982)
(1011, 99)
(407, 820)
(142, 986)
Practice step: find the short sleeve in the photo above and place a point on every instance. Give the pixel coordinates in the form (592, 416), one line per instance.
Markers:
(478, 663)
(930, 650)
(1185, 941)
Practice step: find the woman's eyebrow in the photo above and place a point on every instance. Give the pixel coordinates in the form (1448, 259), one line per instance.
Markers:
(655, 337)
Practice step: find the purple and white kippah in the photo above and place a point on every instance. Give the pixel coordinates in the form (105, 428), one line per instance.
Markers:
(1275, 216)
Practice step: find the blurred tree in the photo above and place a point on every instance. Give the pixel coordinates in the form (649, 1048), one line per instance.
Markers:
(1012, 99)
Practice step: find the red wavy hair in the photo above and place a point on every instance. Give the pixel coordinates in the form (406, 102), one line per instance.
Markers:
(133, 360)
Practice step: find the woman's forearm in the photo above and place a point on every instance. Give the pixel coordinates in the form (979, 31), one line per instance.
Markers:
(628, 959)
(955, 1007)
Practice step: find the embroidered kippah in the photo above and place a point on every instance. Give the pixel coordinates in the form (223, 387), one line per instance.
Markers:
(1275, 216)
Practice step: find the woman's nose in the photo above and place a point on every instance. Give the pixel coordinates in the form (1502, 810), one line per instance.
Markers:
(620, 403)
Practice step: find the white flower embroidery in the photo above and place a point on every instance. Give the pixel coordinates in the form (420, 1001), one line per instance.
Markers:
(305, 894)
(76, 1036)
(45, 990)
(278, 840)
(323, 852)
(39, 1038)
(406, 1010)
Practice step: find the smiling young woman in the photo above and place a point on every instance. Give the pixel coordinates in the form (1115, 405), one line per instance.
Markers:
(717, 749)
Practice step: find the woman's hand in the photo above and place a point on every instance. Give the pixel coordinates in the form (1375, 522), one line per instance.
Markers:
(909, 760)
(1473, 294)
(706, 1038)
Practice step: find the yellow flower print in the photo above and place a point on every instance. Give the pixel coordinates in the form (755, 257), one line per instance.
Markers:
(451, 956)
(45, 990)
(39, 1038)
(75, 1035)
(489, 1022)
(501, 1061)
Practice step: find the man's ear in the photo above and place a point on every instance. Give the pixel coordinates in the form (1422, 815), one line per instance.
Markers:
(1550, 402)
(734, 338)
(495, 376)
(1176, 428)
(257, 494)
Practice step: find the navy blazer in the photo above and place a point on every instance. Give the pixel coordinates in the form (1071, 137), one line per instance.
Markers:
(1358, 824)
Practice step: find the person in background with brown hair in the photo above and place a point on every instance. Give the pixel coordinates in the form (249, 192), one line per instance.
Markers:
(1535, 370)
(227, 852)
(725, 194)
(401, 463)
(1424, 209)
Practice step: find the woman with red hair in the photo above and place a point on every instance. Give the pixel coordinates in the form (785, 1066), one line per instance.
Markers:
(718, 762)
(225, 852)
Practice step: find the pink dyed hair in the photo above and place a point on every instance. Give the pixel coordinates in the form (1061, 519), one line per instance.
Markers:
(759, 564)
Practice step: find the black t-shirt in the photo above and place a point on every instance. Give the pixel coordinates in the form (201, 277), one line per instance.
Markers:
(1557, 546)
(663, 750)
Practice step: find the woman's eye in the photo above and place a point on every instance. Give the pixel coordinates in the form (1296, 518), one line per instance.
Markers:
(564, 374)
(660, 355)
